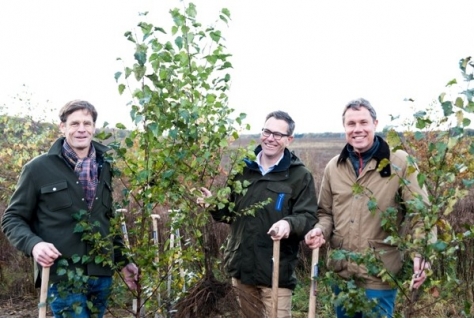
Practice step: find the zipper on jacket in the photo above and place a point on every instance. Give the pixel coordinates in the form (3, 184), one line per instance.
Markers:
(361, 163)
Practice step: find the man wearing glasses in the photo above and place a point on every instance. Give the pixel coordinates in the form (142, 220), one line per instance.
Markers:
(279, 175)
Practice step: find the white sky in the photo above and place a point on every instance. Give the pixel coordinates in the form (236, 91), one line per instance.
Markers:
(305, 57)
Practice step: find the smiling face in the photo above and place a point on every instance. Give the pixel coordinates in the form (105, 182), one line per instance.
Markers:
(79, 129)
(360, 129)
(272, 148)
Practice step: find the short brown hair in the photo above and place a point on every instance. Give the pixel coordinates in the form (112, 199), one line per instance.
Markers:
(281, 115)
(356, 105)
(74, 105)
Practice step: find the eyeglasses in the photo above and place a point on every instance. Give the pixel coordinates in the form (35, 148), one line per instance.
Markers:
(276, 135)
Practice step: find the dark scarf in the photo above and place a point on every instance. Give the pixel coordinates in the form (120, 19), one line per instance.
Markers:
(85, 169)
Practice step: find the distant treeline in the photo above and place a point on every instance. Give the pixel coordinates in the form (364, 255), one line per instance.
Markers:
(39, 126)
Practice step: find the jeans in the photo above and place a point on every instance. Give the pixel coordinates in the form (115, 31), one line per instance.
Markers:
(383, 309)
(71, 303)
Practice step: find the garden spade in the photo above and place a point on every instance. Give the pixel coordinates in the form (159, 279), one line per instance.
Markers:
(43, 292)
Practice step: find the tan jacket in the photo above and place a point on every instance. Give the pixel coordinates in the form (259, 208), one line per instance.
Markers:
(345, 218)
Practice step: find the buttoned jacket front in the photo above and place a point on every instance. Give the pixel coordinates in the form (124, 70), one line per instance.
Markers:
(45, 207)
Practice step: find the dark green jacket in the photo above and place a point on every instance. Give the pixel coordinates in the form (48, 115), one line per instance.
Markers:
(47, 196)
(248, 255)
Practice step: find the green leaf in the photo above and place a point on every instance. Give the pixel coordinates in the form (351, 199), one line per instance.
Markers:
(223, 18)
(452, 82)
(160, 30)
(447, 108)
(191, 10)
(372, 205)
(129, 36)
(174, 29)
(140, 56)
(163, 74)
(226, 12)
(179, 42)
(117, 75)
(215, 35)
(128, 142)
(85, 259)
(419, 135)
(63, 263)
(79, 228)
(393, 138)
(440, 246)
(338, 255)
(121, 88)
(468, 182)
(61, 272)
(99, 259)
(139, 71)
(357, 189)
(459, 102)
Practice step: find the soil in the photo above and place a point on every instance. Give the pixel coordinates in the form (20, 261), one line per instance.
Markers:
(27, 307)
(20, 307)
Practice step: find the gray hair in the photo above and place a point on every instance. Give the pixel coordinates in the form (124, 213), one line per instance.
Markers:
(74, 105)
(280, 115)
(356, 105)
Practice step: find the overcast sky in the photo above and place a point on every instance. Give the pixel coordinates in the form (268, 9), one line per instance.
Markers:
(305, 57)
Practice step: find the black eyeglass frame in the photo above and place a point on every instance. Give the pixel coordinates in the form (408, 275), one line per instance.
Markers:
(276, 135)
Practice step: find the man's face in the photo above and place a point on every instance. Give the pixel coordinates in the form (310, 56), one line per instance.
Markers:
(273, 147)
(360, 129)
(79, 129)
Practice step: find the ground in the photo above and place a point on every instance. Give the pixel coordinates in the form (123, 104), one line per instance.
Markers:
(19, 307)
(23, 307)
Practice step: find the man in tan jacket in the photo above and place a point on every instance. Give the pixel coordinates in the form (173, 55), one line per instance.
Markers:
(365, 172)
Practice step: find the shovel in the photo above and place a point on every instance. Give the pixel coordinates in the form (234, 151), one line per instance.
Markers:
(43, 292)
(275, 275)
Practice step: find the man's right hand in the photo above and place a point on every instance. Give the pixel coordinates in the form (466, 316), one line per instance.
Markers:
(45, 254)
(314, 238)
(201, 201)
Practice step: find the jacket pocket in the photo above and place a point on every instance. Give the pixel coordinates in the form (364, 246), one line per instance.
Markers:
(56, 196)
(336, 242)
(231, 260)
(390, 255)
(280, 194)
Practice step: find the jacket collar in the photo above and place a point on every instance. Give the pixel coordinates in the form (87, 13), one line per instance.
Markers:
(57, 145)
(283, 165)
(383, 152)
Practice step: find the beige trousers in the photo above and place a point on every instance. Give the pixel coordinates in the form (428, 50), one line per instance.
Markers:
(256, 301)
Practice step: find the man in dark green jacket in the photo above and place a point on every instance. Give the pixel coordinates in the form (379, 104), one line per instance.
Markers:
(277, 174)
(59, 193)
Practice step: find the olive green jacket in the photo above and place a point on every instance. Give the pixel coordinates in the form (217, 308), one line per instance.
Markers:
(47, 196)
(248, 255)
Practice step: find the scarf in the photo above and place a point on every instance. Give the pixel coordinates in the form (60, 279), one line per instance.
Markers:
(85, 169)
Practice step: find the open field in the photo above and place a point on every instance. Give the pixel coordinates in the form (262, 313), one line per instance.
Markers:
(18, 297)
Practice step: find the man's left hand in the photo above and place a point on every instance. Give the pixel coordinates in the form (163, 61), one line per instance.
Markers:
(130, 275)
(419, 276)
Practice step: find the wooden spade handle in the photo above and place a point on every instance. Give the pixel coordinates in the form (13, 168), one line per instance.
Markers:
(43, 292)
(275, 275)
(313, 290)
